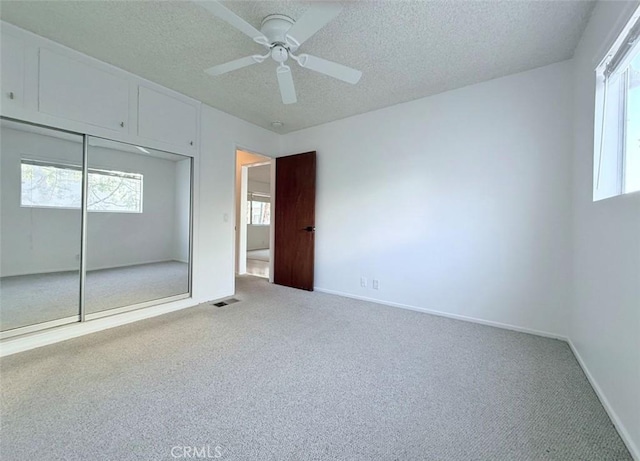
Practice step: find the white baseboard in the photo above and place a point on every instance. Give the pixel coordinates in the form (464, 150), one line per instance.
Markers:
(491, 323)
(624, 434)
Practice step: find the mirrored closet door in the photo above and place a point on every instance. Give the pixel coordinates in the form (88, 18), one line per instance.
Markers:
(137, 225)
(40, 225)
(89, 227)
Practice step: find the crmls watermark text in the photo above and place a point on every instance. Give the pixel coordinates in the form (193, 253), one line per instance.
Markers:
(199, 452)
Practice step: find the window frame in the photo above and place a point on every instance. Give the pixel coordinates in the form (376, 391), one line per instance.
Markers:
(610, 128)
(250, 201)
(90, 171)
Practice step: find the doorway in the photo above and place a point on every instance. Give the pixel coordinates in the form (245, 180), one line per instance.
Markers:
(287, 256)
(253, 214)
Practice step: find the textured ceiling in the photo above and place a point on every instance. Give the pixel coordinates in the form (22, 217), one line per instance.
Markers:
(406, 49)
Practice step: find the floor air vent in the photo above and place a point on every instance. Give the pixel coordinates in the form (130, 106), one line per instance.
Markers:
(226, 302)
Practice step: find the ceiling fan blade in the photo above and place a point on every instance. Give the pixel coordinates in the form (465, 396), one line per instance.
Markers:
(285, 82)
(314, 19)
(233, 19)
(231, 66)
(330, 68)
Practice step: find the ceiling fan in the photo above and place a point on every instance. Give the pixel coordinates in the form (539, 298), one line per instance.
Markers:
(282, 36)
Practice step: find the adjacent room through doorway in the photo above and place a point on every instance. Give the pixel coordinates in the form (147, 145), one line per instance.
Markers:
(253, 214)
(258, 219)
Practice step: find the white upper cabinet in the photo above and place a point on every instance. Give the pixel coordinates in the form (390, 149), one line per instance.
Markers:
(12, 52)
(167, 119)
(73, 90)
(45, 83)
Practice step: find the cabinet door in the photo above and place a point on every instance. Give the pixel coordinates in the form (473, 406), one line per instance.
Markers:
(167, 119)
(73, 90)
(12, 77)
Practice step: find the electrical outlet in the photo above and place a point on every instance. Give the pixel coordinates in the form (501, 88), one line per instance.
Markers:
(375, 284)
(363, 282)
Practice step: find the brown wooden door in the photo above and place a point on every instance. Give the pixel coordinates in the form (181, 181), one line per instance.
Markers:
(295, 222)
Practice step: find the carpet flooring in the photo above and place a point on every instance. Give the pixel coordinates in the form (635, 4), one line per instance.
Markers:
(291, 375)
(31, 299)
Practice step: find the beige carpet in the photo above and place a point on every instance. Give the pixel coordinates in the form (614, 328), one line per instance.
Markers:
(291, 375)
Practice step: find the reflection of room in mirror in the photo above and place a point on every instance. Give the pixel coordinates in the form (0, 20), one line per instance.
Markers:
(149, 248)
(138, 225)
(39, 242)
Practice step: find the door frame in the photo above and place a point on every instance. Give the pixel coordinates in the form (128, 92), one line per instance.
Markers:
(240, 232)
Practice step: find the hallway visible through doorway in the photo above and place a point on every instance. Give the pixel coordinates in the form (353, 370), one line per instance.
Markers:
(253, 216)
(258, 262)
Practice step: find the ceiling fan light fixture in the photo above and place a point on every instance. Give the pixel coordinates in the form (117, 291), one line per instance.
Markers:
(279, 54)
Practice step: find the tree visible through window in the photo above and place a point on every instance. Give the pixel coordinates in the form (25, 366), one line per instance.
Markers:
(50, 185)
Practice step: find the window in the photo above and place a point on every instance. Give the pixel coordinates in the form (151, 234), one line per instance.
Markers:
(617, 137)
(258, 209)
(49, 185)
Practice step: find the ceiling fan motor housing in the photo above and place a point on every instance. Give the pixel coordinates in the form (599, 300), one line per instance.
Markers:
(275, 28)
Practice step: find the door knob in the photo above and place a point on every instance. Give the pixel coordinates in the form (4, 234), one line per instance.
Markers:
(310, 229)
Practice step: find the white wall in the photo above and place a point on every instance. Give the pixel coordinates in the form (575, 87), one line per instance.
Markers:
(258, 186)
(605, 317)
(458, 203)
(221, 135)
(257, 237)
(36, 240)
